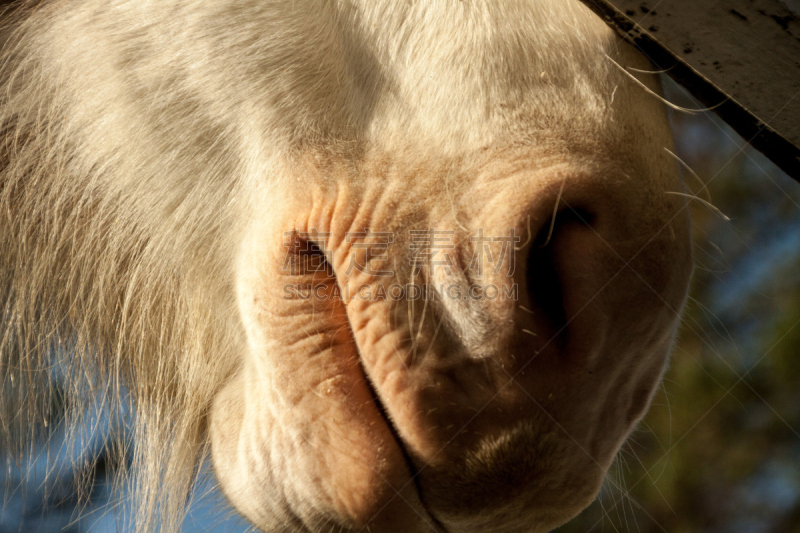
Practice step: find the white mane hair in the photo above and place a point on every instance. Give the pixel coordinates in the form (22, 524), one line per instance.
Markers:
(141, 139)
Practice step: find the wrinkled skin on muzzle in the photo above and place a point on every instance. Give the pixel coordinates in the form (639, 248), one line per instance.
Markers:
(455, 317)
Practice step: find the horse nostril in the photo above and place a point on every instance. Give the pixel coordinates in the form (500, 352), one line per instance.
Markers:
(543, 277)
(306, 256)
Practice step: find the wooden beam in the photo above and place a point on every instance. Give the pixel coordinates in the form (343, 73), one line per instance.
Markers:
(739, 57)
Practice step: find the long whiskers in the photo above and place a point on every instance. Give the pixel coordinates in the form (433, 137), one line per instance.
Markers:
(661, 98)
(706, 203)
(692, 172)
(555, 212)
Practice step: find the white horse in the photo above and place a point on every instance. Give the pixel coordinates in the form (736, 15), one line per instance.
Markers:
(398, 266)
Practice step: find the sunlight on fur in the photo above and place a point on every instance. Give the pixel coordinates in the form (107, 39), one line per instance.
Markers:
(175, 174)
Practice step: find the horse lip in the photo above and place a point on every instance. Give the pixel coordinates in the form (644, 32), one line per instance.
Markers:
(429, 519)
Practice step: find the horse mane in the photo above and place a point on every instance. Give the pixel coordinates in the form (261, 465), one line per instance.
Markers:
(107, 296)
